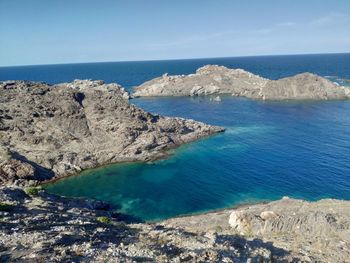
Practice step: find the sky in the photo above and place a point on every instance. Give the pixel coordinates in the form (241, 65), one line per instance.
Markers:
(73, 31)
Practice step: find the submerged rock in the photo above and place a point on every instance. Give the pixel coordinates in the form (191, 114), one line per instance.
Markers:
(213, 79)
(65, 128)
(217, 98)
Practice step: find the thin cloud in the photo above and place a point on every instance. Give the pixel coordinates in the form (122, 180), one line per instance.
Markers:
(288, 24)
(185, 41)
(333, 18)
(275, 28)
(190, 40)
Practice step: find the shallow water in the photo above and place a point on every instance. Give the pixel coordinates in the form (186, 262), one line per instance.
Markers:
(269, 149)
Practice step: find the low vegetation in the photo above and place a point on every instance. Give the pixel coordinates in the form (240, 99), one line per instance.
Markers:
(104, 220)
(33, 191)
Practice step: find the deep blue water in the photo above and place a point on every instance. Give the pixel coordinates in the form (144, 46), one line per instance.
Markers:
(130, 74)
(269, 149)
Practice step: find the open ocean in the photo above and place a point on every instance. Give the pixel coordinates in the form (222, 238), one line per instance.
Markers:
(269, 150)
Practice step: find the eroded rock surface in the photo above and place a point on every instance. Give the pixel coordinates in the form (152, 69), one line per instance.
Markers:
(310, 231)
(68, 127)
(48, 228)
(13, 170)
(213, 79)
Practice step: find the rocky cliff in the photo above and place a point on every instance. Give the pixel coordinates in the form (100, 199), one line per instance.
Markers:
(212, 79)
(48, 131)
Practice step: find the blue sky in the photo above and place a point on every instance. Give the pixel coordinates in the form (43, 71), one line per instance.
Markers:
(69, 31)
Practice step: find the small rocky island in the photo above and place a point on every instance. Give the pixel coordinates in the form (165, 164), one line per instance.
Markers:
(212, 79)
(49, 131)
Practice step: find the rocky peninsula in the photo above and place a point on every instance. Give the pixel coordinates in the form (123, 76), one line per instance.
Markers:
(212, 79)
(51, 131)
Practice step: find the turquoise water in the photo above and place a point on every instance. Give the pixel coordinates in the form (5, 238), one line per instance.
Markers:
(269, 149)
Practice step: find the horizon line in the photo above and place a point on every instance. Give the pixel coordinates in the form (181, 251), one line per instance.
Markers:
(173, 59)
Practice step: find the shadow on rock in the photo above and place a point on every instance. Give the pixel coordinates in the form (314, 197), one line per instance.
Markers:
(41, 173)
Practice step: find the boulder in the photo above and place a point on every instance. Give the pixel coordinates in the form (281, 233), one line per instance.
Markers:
(13, 170)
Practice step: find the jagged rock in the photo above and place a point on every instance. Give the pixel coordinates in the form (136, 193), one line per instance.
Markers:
(212, 79)
(12, 170)
(65, 128)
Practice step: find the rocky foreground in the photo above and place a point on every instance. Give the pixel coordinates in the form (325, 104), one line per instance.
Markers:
(38, 227)
(211, 79)
(51, 131)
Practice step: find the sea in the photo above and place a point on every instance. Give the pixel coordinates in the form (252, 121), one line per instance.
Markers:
(270, 149)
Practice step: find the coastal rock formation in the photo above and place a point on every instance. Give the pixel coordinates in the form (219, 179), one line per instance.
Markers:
(65, 128)
(13, 170)
(213, 79)
(308, 231)
(39, 227)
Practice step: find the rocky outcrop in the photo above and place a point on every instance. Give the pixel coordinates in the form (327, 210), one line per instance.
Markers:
(65, 128)
(39, 227)
(212, 79)
(47, 228)
(14, 170)
(309, 231)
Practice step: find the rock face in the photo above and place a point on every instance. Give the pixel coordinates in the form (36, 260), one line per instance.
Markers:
(213, 79)
(309, 231)
(48, 228)
(13, 170)
(68, 127)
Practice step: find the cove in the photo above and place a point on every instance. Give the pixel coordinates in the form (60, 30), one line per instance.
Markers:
(269, 150)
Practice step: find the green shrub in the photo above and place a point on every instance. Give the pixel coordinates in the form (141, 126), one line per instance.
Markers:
(104, 220)
(218, 229)
(34, 191)
(6, 207)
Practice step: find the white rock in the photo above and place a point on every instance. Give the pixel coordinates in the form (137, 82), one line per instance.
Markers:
(268, 215)
(239, 221)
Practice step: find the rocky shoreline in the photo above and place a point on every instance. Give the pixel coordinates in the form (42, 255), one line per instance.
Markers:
(47, 132)
(39, 227)
(214, 80)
